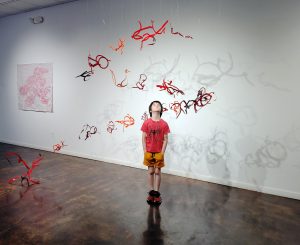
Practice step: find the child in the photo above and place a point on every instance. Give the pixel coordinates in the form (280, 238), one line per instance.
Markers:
(155, 140)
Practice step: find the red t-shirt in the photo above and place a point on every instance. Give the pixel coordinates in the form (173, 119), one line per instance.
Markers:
(155, 131)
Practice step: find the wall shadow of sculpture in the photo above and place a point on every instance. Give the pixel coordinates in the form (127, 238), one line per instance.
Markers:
(262, 80)
(131, 149)
(217, 155)
(157, 71)
(209, 73)
(267, 155)
(187, 153)
(270, 154)
(109, 113)
(217, 158)
(292, 139)
(244, 117)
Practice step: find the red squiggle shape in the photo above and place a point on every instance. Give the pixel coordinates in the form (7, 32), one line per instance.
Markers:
(145, 116)
(141, 83)
(127, 121)
(121, 46)
(111, 127)
(203, 98)
(88, 130)
(27, 175)
(58, 147)
(180, 34)
(170, 88)
(123, 83)
(93, 62)
(143, 37)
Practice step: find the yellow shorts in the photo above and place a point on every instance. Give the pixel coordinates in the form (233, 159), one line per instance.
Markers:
(154, 159)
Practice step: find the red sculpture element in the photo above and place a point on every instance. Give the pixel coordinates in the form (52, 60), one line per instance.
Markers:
(128, 121)
(123, 83)
(57, 147)
(145, 116)
(97, 62)
(121, 46)
(178, 33)
(85, 75)
(111, 127)
(27, 175)
(164, 108)
(170, 88)
(142, 34)
(178, 108)
(141, 83)
(203, 98)
(88, 130)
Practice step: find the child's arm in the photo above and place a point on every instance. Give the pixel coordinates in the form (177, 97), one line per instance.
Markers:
(164, 143)
(144, 141)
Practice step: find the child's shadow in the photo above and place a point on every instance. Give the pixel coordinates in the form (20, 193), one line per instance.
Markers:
(153, 234)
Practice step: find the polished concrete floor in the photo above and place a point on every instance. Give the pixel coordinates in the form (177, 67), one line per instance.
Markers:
(82, 201)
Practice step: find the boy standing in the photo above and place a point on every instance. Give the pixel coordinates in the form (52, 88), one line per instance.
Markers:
(155, 140)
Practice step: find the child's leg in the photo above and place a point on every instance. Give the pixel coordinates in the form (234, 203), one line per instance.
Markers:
(157, 179)
(151, 177)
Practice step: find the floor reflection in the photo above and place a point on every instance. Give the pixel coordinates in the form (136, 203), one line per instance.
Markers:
(153, 234)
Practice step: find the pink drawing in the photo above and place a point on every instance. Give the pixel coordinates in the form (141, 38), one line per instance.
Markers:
(35, 87)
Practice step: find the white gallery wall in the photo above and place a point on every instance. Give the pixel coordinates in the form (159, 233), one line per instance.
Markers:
(246, 52)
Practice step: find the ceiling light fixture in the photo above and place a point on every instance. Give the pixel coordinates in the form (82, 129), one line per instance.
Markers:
(37, 19)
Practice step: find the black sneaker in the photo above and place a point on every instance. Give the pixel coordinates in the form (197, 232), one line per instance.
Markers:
(157, 198)
(150, 198)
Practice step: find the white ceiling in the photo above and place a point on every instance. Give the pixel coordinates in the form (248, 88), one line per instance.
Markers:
(11, 7)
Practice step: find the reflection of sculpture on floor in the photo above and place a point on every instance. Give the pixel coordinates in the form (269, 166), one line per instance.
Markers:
(26, 176)
(153, 234)
(5, 188)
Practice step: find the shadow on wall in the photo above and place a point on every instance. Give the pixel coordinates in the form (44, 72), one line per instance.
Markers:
(157, 71)
(210, 73)
(270, 154)
(186, 153)
(292, 139)
(132, 150)
(217, 155)
(244, 117)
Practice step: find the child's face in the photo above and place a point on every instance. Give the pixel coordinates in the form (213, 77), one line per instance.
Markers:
(156, 107)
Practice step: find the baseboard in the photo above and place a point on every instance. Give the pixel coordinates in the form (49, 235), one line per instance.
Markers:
(211, 179)
(237, 184)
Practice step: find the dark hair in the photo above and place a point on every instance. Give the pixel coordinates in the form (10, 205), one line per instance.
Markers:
(161, 106)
